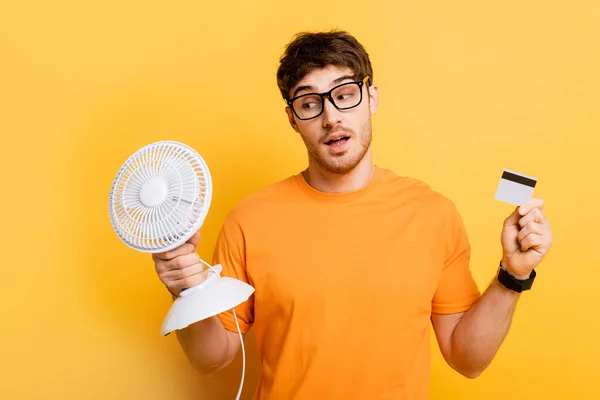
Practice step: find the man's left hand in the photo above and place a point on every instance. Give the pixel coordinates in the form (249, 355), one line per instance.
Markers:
(526, 239)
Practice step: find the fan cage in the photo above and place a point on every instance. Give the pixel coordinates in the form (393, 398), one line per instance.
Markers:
(179, 215)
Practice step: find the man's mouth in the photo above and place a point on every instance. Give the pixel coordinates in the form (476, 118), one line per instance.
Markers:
(337, 140)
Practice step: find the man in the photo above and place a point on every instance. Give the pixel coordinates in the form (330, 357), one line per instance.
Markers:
(349, 261)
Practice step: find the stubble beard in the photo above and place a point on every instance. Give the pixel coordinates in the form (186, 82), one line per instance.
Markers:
(344, 162)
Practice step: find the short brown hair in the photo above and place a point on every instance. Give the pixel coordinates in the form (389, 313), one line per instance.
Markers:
(309, 51)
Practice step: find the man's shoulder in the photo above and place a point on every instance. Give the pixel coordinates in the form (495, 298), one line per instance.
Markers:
(264, 199)
(414, 190)
(404, 182)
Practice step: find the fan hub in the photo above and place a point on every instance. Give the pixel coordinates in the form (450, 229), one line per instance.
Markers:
(153, 192)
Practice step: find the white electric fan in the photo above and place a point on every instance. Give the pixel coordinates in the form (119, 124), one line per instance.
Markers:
(158, 200)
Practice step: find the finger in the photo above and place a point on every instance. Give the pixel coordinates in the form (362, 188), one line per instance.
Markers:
(184, 261)
(513, 218)
(530, 227)
(533, 240)
(188, 282)
(535, 215)
(177, 274)
(179, 262)
(186, 248)
(195, 239)
(530, 205)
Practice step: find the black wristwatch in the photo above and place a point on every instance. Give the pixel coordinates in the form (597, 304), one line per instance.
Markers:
(512, 283)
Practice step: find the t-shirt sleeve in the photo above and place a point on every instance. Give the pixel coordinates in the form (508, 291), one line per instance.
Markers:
(456, 290)
(230, 253)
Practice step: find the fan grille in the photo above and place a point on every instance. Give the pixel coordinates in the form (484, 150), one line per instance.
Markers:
(179, 212)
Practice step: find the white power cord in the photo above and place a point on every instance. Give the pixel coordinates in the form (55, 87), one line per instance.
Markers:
(239, 332)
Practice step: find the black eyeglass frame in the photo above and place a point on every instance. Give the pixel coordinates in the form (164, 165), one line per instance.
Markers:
(328, 94)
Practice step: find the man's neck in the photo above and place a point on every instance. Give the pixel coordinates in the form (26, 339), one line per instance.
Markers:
(328, 182)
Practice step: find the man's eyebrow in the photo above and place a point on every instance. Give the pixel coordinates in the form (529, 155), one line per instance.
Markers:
(304, 87)
(314, 89)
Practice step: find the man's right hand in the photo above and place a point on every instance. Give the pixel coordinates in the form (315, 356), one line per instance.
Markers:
(181, 267)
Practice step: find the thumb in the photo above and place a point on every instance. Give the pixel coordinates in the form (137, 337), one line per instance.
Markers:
(513, 218)
(194, 240)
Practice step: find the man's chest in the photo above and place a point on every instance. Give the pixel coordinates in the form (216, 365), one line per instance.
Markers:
(312, 266)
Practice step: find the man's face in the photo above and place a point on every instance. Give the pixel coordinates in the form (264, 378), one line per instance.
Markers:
(353, 125)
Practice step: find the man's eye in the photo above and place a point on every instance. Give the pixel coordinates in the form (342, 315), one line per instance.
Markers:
(309, 105)
(345, 96)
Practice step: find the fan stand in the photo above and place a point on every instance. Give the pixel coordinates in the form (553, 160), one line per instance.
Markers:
(211, 297)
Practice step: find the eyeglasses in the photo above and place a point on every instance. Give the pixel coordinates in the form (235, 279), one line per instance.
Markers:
(343, 97)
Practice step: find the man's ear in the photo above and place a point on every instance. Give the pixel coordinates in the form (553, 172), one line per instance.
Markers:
(373, 98)
(291, 118)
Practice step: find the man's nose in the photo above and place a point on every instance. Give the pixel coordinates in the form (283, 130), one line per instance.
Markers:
(331, 115)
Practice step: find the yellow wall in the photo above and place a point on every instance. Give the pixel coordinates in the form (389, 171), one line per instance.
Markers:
(466, 90)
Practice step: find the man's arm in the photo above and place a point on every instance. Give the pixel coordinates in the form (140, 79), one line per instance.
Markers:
(469, 340)
(208, 345)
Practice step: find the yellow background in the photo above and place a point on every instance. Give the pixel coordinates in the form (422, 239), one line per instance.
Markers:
(467, 89)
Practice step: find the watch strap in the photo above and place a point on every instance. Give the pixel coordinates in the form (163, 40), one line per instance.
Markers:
(512, 283)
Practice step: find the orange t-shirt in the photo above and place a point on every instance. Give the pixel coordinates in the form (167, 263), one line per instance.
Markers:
(345, 285)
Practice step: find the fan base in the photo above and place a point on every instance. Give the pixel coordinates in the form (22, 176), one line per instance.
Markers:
(213, 296)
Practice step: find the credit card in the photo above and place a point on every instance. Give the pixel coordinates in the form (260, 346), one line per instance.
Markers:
(515, 188)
